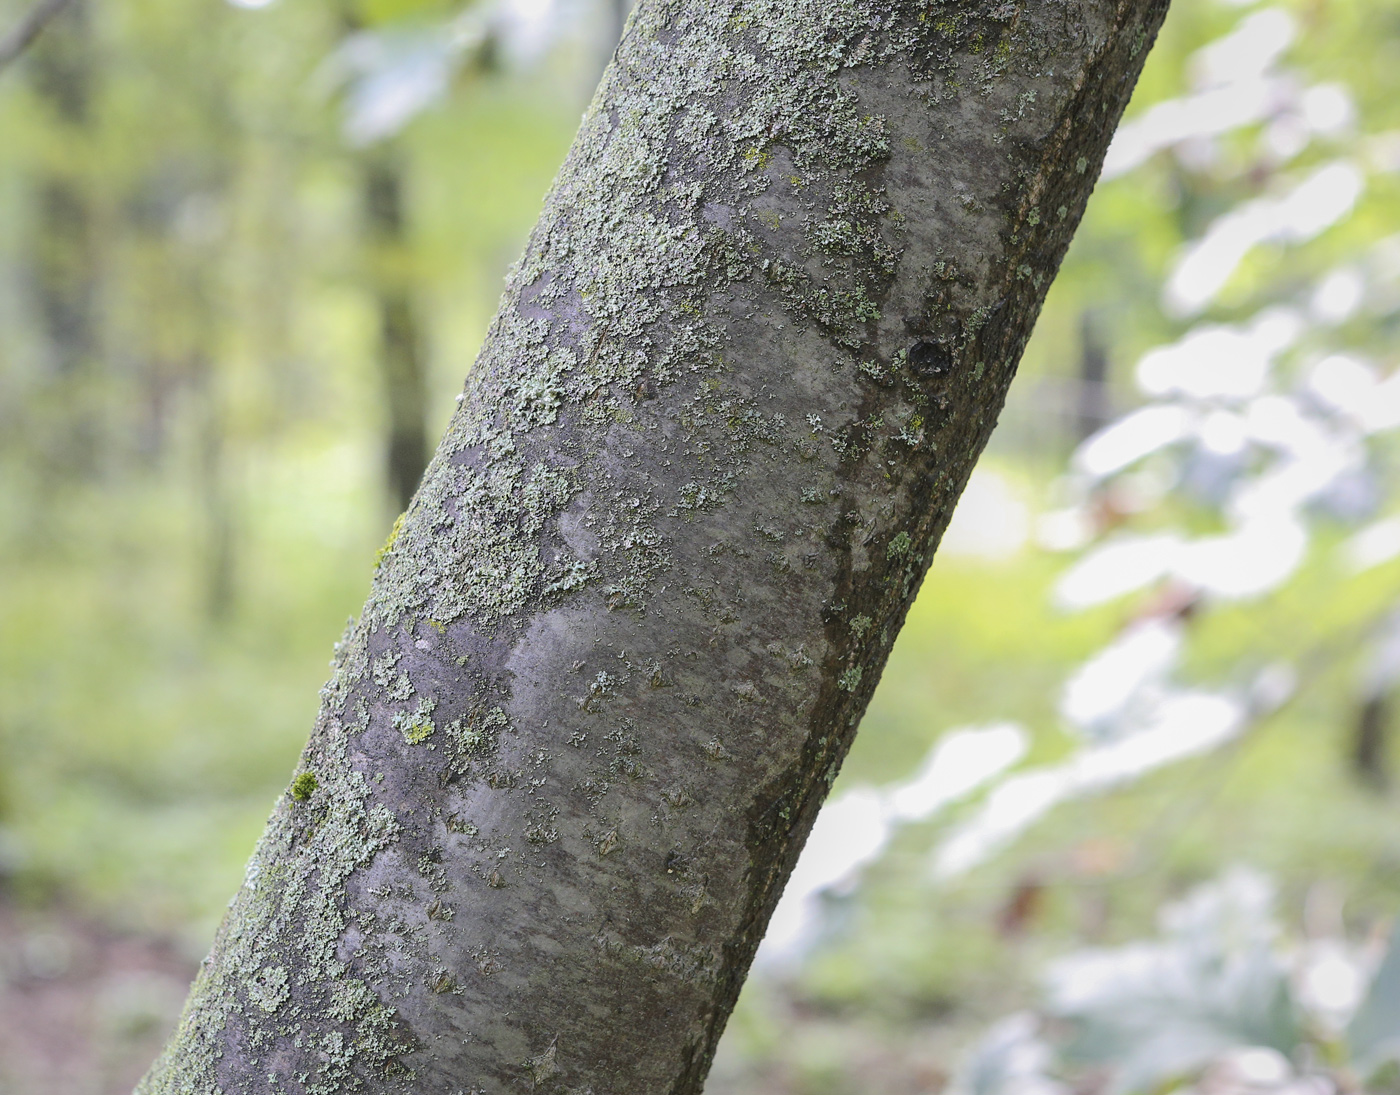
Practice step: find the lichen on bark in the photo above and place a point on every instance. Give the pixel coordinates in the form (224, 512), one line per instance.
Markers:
(619, 643)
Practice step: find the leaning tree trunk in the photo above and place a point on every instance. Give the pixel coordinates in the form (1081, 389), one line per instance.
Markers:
(621, 640)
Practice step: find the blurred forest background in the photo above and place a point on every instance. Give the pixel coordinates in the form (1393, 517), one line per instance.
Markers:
(247, 252)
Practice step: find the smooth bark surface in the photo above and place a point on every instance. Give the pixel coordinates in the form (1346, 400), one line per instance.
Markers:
(619, 644)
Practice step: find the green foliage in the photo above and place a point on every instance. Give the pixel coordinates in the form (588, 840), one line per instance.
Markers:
(186, 522)
(1158, 1011)
(1218, 999)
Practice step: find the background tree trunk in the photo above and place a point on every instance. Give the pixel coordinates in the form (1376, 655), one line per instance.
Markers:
(619, 643)
(401, 357)
(1369, 741)
(28, 29)
(64, 262)
(1091, 397)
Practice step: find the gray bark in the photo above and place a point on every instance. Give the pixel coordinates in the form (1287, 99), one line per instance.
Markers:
(621, 640)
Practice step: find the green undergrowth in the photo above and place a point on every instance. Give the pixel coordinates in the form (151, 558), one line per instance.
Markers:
(144, 741)
(911, 970)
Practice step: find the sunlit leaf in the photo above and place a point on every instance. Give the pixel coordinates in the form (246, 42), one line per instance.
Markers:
(1156, 1011)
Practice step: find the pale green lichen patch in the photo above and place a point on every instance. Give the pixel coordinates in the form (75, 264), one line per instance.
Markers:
(416, 726)
(268, 989)
(544, 1065)
(477, 552)
(477, 734)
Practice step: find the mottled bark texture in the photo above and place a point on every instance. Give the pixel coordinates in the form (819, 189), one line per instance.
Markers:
(620, 641)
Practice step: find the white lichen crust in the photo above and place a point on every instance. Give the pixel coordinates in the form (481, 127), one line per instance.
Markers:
(617, 647)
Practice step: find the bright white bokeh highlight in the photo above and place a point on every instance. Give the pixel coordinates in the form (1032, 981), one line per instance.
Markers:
(991, 521)
(1304, 212)
(1184, 724)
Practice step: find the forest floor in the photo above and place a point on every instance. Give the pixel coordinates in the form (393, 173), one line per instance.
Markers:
(83, 1009)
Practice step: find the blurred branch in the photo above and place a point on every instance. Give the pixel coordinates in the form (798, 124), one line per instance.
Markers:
(29, 28)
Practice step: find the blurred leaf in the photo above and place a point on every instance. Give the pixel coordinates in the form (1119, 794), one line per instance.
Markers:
(1011, 1059)
(392, 75)
(1156, 1011)
(1374, 1033)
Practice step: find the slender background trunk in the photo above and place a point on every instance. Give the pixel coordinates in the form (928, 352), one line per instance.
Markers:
(27, 30)
(1369, 742)
(401, 362)
(619, 644)
(64, 266)
(1092, 411)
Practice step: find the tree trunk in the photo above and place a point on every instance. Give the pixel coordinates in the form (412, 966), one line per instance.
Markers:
(1369, 742)
(617, 647)
(63, 268)
(1091, 399)
(401, 362)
